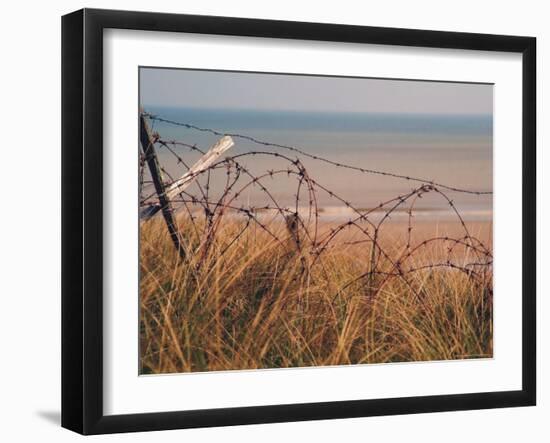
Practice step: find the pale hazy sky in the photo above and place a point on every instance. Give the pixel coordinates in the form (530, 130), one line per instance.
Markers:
(211, 89)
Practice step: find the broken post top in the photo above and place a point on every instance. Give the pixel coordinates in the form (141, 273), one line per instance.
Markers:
(201, 165)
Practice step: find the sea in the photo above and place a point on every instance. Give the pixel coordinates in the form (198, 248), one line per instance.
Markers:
(454, 150)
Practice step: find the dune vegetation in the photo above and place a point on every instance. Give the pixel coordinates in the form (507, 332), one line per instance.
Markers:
(247, 299)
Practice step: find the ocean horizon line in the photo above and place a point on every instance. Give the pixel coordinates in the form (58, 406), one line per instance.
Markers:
(146, 108)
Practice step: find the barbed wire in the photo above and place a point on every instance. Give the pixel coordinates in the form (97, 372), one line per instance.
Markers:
(297, 231)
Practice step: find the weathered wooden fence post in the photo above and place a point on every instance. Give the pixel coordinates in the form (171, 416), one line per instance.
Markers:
(148, 146)
(201, 165)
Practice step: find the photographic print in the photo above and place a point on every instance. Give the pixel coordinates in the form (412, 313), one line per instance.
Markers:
(306, 221)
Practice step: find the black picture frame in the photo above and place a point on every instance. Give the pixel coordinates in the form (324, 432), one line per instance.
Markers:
(82, 218)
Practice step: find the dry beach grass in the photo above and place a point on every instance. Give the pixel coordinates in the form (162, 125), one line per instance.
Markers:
(259, 302)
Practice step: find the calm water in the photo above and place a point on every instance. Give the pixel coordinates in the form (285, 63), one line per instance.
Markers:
(454, 150)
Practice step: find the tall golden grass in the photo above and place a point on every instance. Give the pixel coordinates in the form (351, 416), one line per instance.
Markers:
(250, 304)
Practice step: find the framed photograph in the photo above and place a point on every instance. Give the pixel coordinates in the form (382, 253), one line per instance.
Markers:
(269, 221)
